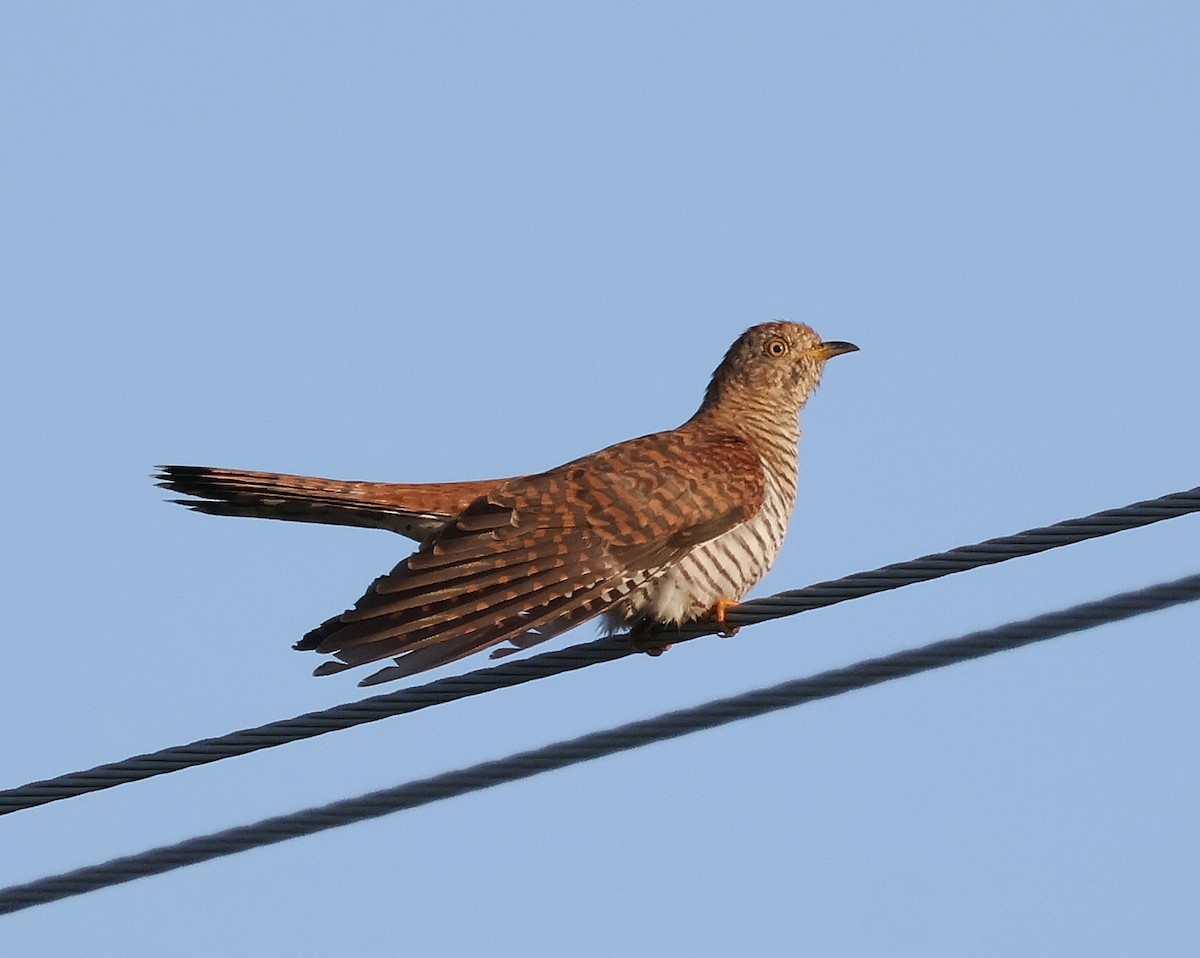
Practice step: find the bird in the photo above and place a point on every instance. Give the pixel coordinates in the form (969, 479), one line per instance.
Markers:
(663, 530)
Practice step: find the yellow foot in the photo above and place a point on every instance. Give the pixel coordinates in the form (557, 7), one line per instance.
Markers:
(717, 614)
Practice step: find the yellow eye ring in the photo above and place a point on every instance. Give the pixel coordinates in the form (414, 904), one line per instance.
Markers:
(776, 348)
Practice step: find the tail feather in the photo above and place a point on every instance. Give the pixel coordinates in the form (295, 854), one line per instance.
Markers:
(416, 510)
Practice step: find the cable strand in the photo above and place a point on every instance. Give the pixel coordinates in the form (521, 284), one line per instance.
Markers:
(595, 745)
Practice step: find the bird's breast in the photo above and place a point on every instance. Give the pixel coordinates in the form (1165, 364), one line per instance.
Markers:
(722, 568)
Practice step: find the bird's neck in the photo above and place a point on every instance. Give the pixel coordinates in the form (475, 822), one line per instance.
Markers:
(772, 431)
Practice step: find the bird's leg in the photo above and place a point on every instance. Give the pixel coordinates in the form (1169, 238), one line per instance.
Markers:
(717, 614)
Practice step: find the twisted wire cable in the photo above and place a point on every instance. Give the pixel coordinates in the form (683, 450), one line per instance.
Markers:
(599, 744)
(540, 666)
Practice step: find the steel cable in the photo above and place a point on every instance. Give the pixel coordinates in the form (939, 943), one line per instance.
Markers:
(543, 665)
(599, 744)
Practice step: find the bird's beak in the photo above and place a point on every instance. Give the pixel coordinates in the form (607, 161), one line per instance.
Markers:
(833, 348)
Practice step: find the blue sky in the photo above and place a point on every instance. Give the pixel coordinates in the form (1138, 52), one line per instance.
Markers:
(458, 241)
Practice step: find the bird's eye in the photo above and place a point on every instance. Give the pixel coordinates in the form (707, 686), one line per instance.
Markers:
(776, 348)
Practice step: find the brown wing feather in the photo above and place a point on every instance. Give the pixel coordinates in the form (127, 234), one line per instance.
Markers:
(550, 550)
(576, 610)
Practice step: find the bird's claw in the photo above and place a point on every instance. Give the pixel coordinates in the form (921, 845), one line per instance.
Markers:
(648, 641)
(718, 615)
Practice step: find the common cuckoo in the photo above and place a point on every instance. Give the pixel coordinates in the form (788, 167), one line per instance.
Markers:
(657, 531)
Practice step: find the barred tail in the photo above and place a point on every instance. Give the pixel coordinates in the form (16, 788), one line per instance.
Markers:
(414, 510)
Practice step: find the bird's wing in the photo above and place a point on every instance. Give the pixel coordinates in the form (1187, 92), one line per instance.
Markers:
(547, 551)
(416, 510)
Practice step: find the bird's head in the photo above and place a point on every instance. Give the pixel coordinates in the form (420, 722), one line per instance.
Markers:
(779, 363)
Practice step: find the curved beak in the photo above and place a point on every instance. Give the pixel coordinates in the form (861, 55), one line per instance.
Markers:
(834, 347)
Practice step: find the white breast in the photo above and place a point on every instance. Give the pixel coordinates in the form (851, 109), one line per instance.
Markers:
(722, 568)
